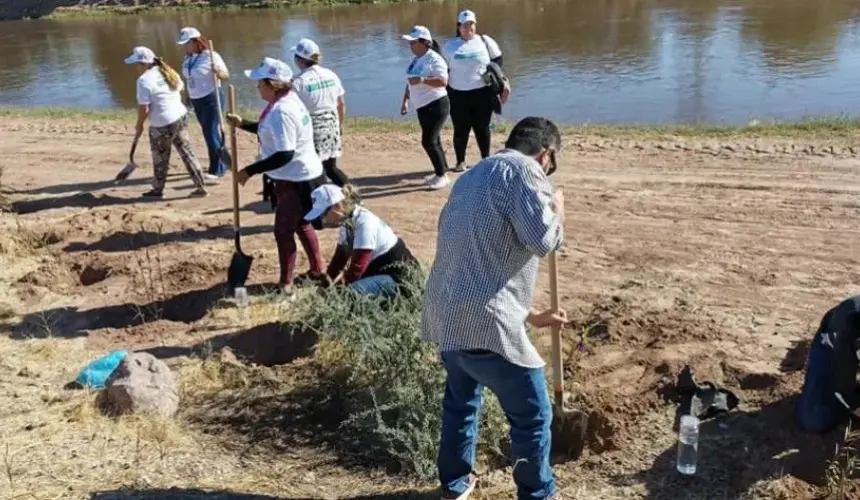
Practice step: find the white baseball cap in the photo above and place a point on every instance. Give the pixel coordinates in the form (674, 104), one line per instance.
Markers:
(418, 33)
(324, 197)
(271, 68)
(187, 34)
(141, 55)
(467, 16)
(306, 48)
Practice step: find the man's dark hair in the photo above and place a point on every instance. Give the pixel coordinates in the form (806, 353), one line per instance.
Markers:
(533, 134)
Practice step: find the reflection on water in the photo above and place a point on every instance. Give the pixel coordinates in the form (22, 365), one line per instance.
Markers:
(648, 61)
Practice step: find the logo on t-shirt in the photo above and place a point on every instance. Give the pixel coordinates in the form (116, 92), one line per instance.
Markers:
(315, 87)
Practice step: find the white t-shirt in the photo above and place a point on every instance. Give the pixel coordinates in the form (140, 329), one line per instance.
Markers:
(319, 88)
(165, 105)
(288, 127)
(197, 69)
(371, 233)
(469, 60)
(430, 65)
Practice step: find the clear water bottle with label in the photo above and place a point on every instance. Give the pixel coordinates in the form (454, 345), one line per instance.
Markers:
(688, 445)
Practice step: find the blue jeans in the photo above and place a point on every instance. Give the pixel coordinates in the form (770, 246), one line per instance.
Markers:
(379, 285)
(523, 395)
(818, 410)
(206, 109)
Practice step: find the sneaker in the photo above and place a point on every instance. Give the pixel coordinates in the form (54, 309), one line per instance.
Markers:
(154, 194)
(440, 182)
(461, 167)
(448, 495)
(199, 193)
(211, 179)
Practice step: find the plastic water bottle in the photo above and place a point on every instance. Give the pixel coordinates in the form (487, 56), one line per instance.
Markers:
(688, 445)
(241, 296)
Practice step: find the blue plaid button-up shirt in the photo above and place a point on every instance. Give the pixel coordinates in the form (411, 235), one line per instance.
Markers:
(497, 224)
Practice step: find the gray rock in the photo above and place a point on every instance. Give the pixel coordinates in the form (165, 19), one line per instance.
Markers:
(141, 384)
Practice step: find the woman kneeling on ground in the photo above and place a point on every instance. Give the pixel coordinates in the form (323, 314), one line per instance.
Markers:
(159, 98)
(376, 260)
(322, 92)
(287, 156)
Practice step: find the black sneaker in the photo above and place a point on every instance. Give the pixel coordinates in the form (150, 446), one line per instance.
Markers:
(154, 194)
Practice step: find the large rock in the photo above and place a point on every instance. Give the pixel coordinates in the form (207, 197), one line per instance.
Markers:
(141, 384)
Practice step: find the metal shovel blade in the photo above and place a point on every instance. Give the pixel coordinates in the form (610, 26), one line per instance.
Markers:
(126, 171)
(240, 267)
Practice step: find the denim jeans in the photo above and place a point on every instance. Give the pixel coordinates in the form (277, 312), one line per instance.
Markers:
(818, 410)
(523, 395)
(206, 109)
(379, 285)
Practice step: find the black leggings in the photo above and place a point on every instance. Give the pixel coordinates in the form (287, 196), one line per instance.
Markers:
(471, 110)
(432, 117)
(335, 174)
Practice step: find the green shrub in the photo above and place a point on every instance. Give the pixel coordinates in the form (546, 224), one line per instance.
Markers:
(392, 382)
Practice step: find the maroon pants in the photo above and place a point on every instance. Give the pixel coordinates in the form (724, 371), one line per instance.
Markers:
(289, 220)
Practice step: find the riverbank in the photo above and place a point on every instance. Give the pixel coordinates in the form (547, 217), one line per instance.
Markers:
(60, 9)
(714, 248)
(836, 130)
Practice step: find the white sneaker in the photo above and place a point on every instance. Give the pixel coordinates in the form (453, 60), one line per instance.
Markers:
(211, 179)
(439, 182)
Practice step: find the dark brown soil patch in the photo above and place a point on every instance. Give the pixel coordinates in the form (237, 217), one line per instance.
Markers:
(273, 343)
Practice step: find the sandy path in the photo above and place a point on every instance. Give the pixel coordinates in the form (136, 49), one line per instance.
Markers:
(688, 251)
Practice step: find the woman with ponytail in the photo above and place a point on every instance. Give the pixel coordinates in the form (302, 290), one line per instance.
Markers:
(370, 258)
(322, 92)
(426, 79)
(198, 66)
(159, 99)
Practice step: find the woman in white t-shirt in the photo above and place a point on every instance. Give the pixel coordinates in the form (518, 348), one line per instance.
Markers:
(197, 67)
(426, 79)
(472, 100)
(288, 158)
(323, 94)
(372, 258)
(159, 98)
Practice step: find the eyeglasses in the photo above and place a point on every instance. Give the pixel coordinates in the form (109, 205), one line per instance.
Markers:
(552, 164)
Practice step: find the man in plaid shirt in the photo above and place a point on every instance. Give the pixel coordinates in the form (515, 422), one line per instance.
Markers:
(502, 216)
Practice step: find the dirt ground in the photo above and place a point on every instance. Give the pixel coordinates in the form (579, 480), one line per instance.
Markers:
(721, 254)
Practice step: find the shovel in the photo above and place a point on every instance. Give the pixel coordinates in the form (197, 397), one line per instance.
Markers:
(568, 426)
(131, 165)
(223, 153)
(240, 265)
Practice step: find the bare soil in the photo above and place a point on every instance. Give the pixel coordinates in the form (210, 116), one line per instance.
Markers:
(718, 255)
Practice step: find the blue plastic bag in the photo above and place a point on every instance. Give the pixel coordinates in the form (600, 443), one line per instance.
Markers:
(97, 372)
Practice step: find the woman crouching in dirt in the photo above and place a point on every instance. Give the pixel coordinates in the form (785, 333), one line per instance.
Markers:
(159, 98)
(376, 261)
(288, 157)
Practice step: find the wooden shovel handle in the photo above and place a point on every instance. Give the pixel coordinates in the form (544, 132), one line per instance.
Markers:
(234, 164)
(557, 369)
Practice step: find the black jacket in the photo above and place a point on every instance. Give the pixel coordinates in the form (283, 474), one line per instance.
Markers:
(840, 330)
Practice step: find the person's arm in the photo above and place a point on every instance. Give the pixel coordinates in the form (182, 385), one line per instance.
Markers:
(530, 209)
(272, 162)
(144, 99)
(219, 67)
(338, 262)
(358, 262)
(341, 103)
(437, 73)
(493, 50)
(249, 126)
(404, 105)
(845, 362)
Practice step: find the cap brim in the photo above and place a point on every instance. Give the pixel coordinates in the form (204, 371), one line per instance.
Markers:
(131, 60)
(183, 41)
(408, 38)
(315, 213)
(254, 74)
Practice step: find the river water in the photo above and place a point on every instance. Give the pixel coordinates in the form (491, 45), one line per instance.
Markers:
(599, 61)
